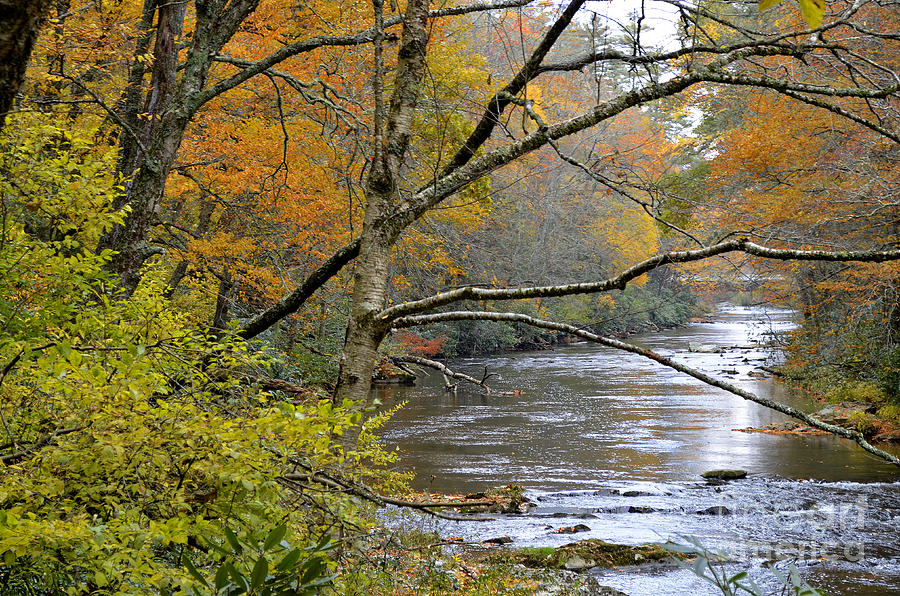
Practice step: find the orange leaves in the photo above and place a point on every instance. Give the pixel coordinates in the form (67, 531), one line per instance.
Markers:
(417, 345)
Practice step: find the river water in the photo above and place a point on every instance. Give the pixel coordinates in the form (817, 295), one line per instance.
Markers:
(617, 443)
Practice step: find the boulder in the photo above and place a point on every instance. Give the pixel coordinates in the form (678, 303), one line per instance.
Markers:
(715, 510)
(725, 474)
(578, 563)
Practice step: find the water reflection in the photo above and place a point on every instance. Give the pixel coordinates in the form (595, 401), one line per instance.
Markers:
(588, 414)
(617, 442)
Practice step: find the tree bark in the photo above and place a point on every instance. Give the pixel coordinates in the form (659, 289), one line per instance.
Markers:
(380, 228)
(20, 24)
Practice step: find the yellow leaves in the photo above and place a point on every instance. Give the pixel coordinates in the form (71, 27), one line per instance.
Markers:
(812, 10)
(631, 236)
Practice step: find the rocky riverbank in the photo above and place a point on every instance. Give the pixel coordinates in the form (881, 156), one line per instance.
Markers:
(858, 416)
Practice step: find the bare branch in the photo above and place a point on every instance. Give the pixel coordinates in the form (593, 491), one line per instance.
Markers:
(307, 45)
(366, 493)
(497, 104)
(292, 301)
(444, 370)
(620, 281)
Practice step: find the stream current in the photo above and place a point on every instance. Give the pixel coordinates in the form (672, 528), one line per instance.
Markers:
(617, 443)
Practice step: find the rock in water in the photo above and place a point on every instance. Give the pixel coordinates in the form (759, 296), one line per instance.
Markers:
(694, 346)
(725, 474)
(572, 529)
(578, 563)
(715, 510)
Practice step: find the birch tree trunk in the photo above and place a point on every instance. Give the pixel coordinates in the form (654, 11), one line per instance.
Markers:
(381, 227)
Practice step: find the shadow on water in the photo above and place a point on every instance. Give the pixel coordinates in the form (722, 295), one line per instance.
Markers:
(617, 443)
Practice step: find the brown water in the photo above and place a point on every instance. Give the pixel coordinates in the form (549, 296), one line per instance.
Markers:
(617, 443)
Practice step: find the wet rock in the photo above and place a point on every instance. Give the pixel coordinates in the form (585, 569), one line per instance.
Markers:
(732, 371)
(497, 540)
(841, 414)
(694, 346)
(579, 563)
(628, 509)
(393, 376)
(725, 474)
(641, 509)
(715, 510)
(635, 493)
(572, 529)
(572, 514)
(757, 374)
(583, 554)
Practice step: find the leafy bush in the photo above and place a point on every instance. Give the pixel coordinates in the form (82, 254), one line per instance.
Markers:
(132, 440)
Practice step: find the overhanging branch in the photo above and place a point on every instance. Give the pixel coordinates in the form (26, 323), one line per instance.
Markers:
(620, 281)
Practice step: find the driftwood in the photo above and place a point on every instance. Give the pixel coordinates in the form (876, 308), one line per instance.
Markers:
(446, 372)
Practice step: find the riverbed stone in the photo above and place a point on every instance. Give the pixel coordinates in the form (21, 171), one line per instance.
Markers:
(572, 529)
(725, 474)
(842, 414)
(891, 436)
(579, 563)
(636, 493)
(715, 510)
(695, 346)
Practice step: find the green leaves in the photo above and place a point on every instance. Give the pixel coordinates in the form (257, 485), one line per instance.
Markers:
(248, 565)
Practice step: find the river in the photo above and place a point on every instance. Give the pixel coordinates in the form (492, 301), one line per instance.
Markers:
(617, 443)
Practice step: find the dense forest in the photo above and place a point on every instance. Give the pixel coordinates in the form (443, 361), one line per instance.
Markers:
(222, 218)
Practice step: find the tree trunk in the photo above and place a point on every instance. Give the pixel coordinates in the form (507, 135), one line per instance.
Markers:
(381, 227)
(20, 23)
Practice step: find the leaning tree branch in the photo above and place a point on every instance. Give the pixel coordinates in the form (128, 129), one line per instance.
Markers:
(295, 299)
(683, 368)
(497, 104)
(620, 281)
(444, 370)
